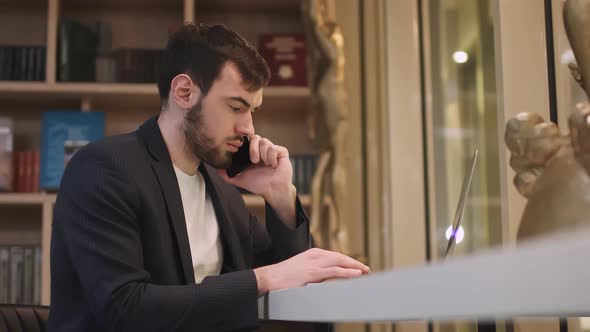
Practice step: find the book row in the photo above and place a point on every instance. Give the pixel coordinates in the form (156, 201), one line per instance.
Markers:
(20, 274)
(85, 53)
(22, 63)
(63, 134)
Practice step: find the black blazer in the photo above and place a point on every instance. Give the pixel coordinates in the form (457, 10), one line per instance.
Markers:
(120, 256)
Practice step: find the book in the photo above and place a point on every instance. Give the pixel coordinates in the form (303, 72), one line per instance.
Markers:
(304, 166)
(4, 274)
(37, 276)
(63, 134)
(17, 265)
(138, 65)
(22, 63)
(28, 277)
(106, 70)
(285, 55)
(77, 49)
(28, 166)
(8, 63)
(36, 165)
(6, 154)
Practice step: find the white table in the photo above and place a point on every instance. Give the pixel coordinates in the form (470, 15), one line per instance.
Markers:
(545, 277)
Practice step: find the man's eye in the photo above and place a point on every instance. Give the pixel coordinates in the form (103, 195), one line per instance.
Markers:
(235, 109)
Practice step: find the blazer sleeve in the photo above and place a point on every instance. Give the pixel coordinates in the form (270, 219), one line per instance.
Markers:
(97, 215)
(278, 242)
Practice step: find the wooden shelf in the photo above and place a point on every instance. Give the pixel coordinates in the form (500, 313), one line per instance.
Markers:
(26, 198)
(42, 198)
(286, 91)
(79, 88)
(17, 89)
(218, 5)
(249, 6)
(123, 5)
(23, 4)
(76, 89)
(129, 96)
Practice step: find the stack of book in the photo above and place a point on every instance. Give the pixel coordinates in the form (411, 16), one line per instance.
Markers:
(63, 134)
(303, 170)
(26, 171)
(138, 65)
(22, 63)
(86, 55)
(19, 171)
(20, 274)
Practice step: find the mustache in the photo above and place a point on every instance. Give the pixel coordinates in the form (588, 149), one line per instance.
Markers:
(235, 138)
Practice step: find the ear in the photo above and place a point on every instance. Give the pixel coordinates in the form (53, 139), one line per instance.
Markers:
(183, 92)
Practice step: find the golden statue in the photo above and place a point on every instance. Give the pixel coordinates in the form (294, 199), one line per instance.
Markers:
(328, 123)
(552, 170)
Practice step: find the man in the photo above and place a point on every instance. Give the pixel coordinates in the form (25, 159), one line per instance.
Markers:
(149, 232)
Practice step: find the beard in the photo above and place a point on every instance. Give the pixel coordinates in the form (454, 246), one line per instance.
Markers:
(202, 146)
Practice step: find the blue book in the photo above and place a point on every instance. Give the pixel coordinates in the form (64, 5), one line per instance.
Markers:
(63, 134)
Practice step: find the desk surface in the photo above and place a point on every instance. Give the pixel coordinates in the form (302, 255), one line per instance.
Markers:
(545, 277)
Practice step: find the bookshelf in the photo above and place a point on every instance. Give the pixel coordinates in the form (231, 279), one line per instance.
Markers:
(25, 218)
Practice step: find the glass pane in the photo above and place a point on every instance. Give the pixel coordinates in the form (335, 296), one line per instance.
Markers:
(569, 93)
(464, 118)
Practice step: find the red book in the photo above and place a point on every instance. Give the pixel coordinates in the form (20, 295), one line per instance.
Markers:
(20, 179)
(285, 54)
(36, 170)
(28, 171)
(15, 174)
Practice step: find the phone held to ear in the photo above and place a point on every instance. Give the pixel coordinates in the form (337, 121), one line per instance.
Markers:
(241, 159)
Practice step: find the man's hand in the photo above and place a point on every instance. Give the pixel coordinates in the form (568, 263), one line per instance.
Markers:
(270, 177)
(272, 170)
(313, 265)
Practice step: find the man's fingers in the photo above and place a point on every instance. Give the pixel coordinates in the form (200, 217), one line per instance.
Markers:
(273, 157)
(337, 259)
(263, 150)
(255, 149)
(265, 145)
(336, 272)
(283, 152)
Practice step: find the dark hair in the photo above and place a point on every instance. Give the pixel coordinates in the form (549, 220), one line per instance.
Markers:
(201, 51)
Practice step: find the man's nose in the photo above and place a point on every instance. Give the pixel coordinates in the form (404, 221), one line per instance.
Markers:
(246, 125)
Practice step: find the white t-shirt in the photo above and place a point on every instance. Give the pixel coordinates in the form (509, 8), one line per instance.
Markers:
(201, 225)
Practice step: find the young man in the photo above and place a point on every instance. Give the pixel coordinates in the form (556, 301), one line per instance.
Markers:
(150, 234)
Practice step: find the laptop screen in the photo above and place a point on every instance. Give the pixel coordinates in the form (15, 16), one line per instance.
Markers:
(461, 204)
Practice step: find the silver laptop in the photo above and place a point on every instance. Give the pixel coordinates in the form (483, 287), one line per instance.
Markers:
(461, 205)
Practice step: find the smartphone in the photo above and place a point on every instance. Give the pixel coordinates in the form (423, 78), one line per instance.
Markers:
(241, 159)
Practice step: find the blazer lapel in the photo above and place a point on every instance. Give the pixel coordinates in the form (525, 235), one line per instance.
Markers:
(162, 167)
(234, 259)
